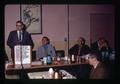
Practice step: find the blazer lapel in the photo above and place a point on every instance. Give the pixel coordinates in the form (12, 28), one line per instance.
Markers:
(94, 70)
(23, 34)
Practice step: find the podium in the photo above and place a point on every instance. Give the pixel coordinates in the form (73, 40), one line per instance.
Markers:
(22, 55)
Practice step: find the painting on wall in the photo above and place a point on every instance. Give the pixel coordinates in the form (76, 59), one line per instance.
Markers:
(31, 15)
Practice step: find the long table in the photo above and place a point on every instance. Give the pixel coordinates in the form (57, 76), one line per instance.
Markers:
(34, 67)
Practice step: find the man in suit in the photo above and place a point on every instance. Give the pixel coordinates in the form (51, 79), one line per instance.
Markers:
(103, 47)
(98, 44)
(80, 48)
(45, 49)
(99, 70)
(19, 37)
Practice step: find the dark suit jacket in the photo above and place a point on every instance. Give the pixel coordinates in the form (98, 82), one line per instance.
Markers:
(95, 47)
(100, 72)
(74, 50)
(13, 39)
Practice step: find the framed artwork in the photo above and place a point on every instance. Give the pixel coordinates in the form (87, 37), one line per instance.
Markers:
(31, 15)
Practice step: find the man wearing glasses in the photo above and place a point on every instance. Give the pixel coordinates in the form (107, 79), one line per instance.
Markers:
(19, 37)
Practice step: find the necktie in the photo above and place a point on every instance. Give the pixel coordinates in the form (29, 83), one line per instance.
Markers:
(20, 36)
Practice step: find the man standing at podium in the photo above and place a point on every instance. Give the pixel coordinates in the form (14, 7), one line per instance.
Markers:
(19, 37)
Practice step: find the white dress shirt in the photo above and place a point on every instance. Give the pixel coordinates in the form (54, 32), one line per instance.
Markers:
(18, 33)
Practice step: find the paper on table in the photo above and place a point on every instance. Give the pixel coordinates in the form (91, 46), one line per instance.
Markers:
(68, 75)
(36, 63)
(25, 52)
(45, 75)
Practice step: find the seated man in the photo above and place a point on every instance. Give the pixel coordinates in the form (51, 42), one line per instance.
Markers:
(80, 48)
(98, 44)
(45, 49)
(103, 47)
(99, 70)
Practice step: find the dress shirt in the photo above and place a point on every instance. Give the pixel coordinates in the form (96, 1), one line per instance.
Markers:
(19, 33)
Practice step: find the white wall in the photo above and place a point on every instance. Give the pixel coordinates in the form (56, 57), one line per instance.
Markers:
(55, 23)
(12, 14)
(80, 20)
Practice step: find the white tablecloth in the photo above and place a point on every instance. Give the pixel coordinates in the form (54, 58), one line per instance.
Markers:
(45, 75)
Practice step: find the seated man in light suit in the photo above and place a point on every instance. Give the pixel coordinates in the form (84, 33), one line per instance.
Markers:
(45, 49)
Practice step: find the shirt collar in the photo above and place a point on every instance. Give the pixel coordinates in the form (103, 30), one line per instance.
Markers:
(96, 65)
(19, 31)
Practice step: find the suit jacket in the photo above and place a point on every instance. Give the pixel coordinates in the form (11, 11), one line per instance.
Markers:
(41, 52)
(74, 50)
(13, 39)
(100, 72)
(104, 52)
(94, 46)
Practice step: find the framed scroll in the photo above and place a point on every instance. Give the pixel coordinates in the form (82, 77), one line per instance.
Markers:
(31, 15)
(22, 55)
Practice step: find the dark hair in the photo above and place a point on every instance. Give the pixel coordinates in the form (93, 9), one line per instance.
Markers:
(19, 21)
(82, 40)
(47, 39)
(95, 54)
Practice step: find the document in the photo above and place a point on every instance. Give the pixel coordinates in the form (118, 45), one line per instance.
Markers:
(22, 54)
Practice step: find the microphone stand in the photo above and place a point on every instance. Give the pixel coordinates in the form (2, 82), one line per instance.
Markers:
(23, 74)
(22, 68)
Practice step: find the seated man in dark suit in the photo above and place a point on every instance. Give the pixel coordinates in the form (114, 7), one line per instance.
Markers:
(79, 49)
(99, 70)
(19, 37)
(103, 47)
(98, 44)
